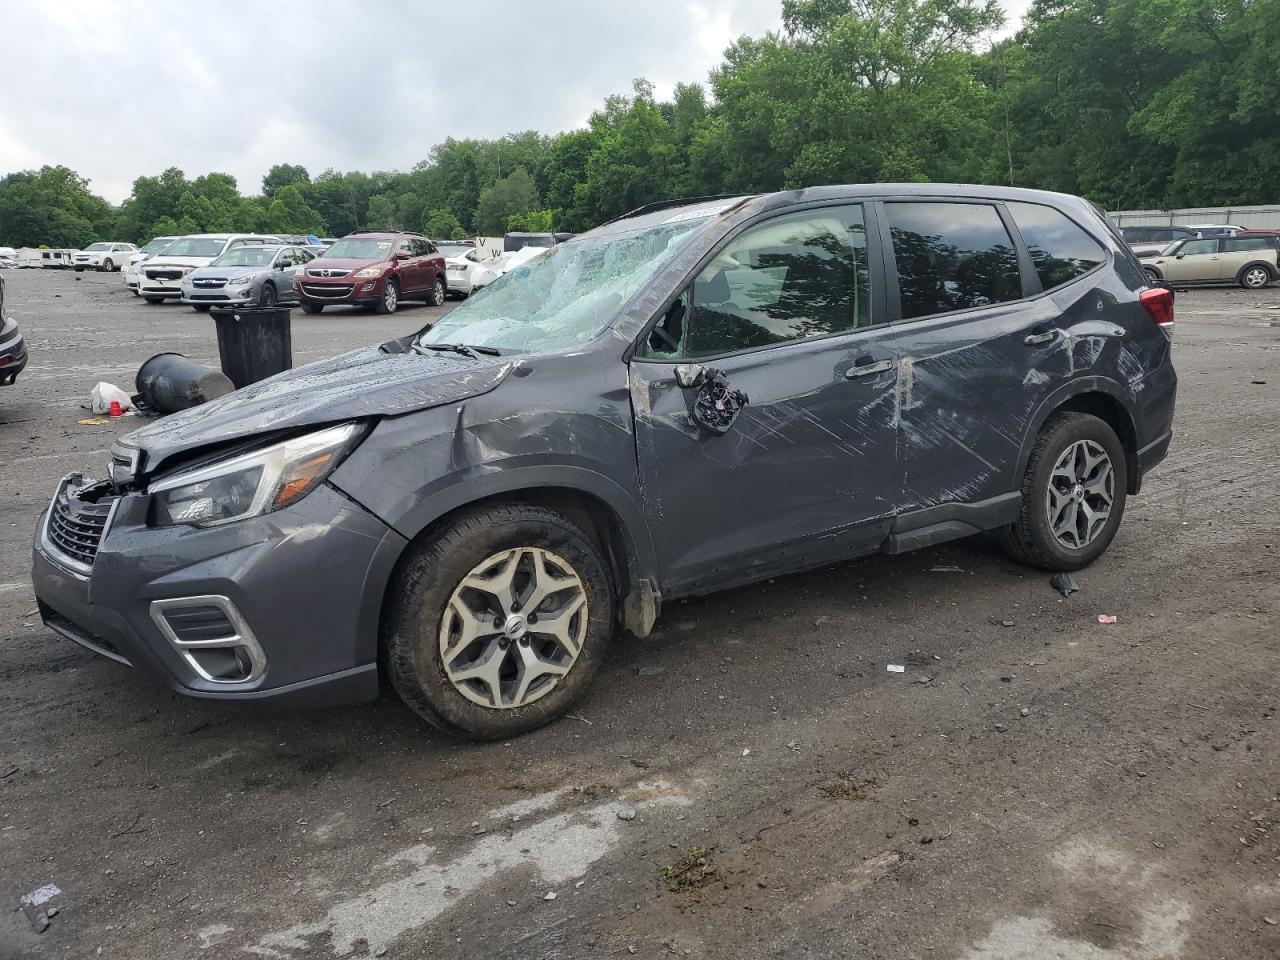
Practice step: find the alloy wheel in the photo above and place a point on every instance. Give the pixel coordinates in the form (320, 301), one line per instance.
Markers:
(390, 297)
(1080, 495)
(513, 627)
(438, 294)
(1256, 277)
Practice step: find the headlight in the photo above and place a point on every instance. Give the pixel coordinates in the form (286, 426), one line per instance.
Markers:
(244, 281)
(251, 484)
(369, 272)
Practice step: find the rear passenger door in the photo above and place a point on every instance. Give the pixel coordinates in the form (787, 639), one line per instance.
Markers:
(978, 343)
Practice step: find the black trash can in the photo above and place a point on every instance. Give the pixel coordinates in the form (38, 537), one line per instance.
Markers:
(253, 342)
(170, 382)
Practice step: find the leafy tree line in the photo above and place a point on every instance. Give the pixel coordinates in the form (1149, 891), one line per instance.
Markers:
(1133, 103)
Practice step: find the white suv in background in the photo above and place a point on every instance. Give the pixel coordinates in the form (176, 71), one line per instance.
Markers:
(103, 256)
(160, 278)
(131, 272)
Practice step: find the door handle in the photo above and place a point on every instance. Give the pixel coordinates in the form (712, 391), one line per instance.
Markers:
(866, 369)
(1035, 339)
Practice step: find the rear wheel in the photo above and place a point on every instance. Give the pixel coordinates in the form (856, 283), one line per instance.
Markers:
(308, 307)
(1255, 277)
(390, 298)
(500, 621)
(1073, 494)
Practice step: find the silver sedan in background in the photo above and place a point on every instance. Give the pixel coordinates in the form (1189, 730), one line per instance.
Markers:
(258, 275)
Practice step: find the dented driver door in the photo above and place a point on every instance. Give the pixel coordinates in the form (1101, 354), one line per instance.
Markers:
(763, 406)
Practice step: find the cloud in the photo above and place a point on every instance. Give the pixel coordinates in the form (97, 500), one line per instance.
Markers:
(117, 90)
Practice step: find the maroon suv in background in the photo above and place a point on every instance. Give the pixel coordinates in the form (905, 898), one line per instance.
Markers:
(375, 271)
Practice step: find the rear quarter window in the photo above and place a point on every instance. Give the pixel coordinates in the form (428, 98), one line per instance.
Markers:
(1059, 248)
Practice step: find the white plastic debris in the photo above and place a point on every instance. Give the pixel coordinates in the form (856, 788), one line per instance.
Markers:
(1106, 618)
(104, 393)
(551, 895)
(895, 668)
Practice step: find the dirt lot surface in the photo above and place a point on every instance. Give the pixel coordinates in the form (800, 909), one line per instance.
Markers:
(747, 782)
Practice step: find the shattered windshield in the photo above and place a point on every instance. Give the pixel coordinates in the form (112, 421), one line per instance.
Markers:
(257, 256)
(566, 295)
(359, 248)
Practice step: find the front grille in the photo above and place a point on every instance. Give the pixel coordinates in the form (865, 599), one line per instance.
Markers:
(200, 623)
(208, 282)
(159, 274)
(327, 272)
(75, 527)
(209, 297)
(336, 291)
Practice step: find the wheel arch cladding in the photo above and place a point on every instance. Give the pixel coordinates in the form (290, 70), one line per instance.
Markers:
(1104, 405)
(1269, 267)
(637, 600)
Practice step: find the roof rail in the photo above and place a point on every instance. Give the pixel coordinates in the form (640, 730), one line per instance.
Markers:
(681, 202)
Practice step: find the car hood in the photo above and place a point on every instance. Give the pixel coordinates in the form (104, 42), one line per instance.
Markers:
(226, 272)
(363, 383)
(179, 261)
(343, 263)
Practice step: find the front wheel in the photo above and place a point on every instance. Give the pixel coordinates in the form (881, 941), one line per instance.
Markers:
(438, 292)
(390, 298)
(308, 307)
(1255, 277)
(1073, 494)
(267, 296)
(108, 265)
(500, 621)
(201, 307)
(1152, 275)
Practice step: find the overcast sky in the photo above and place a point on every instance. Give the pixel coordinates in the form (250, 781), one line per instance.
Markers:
(116, 90)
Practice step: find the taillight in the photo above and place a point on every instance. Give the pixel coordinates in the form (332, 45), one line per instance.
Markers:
(1159, 303)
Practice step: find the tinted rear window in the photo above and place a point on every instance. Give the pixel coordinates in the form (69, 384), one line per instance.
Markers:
(1240, 244)
(1060, 250)
(951, 256)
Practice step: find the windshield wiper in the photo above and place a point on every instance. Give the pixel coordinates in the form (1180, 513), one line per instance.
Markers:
(462, 348)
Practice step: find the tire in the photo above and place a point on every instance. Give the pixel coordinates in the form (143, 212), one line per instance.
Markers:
(1031, 538)
(308, 307)
(154, 299)
(79, 269)
(267, 295)
(438, 293)
(108, 265)
(201, 307)
(390, 299)
(424, 606)
(1255, 277)
(1153, 276)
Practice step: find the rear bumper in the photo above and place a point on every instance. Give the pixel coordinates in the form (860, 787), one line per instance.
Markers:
(1156, 398)
(13, 358)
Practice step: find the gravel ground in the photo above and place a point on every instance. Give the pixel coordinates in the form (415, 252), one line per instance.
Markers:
(747, 782)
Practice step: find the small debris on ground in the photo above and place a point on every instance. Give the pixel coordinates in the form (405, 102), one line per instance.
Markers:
(650, 670)
(946, 569)
(37, 905)
(895, 668)
(626, 813)
(746, 752)
(1106, 618)
(1064, 583)
(1025, 711)
(550, 895)
(1006, 623)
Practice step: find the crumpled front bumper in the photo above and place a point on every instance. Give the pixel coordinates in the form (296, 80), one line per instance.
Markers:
(304, 583)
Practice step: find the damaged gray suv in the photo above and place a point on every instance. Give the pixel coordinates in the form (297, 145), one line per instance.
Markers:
(695, 396)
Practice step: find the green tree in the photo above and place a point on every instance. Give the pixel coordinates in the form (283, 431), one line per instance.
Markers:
(283, 175)
(441, 224)
(513, 194)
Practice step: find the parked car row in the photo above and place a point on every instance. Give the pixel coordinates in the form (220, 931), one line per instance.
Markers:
(1251, 260)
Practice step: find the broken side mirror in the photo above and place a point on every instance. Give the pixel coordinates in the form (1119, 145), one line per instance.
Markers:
(717, 404)
(690, 374)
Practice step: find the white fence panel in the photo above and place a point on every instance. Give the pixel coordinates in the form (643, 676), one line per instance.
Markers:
(1267, 217)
